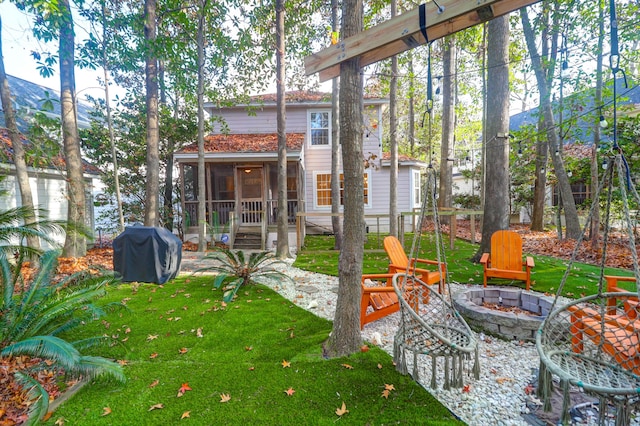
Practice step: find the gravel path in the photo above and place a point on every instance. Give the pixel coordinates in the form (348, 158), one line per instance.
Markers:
(498, 398)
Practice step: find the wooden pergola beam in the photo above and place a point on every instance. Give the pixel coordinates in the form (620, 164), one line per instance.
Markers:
(404, 32)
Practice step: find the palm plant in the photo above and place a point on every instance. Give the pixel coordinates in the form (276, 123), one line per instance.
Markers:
(15, 228)
(34, 315)
(235, 270)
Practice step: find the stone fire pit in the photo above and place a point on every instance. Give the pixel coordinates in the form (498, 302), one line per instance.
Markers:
(511, 325)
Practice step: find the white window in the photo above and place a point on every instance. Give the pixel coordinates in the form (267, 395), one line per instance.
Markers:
(320, 128)
(323, 189)
(417, 189)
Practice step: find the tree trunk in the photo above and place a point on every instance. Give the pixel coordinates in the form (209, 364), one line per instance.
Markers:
(75, 242)
(594, 231)
(393, 139)
(153, 134)
(112, 139)
(345, 337)
(496, 194)
(202, 198)
(22, 175)
(570, 213)
(540, 182)
(411, 135)
(282, 248)
(448, 124)
(336, 221)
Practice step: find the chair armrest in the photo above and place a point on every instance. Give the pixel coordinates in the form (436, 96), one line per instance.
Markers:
(425, 261)
(529, 262)
(382, 289)
(484, 259)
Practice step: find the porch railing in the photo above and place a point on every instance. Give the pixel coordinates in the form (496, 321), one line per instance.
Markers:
(292, 209)
(224, 209)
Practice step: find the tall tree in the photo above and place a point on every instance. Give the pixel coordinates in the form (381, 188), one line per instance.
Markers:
(19, 161)
(75, 241)
(202, 196)
(393, 139)
(153, 132)
(570, 212)
(345, 337)
(336, 221)
(448, 123)
(282, 247)
(496, 193)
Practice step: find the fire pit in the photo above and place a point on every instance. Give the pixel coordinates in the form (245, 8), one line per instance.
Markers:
(516, 313)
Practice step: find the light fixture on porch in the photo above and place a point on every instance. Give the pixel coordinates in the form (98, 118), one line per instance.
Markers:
(247, 171)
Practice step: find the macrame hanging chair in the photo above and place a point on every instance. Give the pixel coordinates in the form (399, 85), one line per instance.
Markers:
(592, 343)
(430, 325)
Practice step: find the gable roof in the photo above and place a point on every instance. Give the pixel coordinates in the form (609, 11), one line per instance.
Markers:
(31, 97)
(39, 162)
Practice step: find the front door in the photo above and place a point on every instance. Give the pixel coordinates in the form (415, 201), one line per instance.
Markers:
(251, 199)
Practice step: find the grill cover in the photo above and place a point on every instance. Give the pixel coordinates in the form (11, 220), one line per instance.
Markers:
(147, 254)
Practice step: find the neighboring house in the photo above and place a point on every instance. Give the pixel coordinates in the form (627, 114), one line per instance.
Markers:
(47, 175)
(241, 170)
(579, 113)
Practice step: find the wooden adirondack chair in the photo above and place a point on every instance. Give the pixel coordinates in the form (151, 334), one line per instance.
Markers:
(617, 332)
(382, 299)
(399, 261)
(505, 260)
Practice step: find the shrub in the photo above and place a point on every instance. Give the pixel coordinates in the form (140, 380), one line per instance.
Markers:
(235, 270)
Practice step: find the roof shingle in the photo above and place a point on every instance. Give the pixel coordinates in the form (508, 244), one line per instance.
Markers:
(245, 142)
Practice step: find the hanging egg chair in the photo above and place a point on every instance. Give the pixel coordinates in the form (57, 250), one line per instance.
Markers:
(430, 325)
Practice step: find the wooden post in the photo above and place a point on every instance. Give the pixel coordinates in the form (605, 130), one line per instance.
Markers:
(407, 31)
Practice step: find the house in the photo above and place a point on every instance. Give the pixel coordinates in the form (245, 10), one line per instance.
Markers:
(47, 176)
(241, 170)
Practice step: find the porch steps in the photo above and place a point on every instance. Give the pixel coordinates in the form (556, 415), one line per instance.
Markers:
(247, 241)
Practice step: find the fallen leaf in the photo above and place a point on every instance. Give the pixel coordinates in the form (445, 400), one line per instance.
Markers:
(347, 366)
(152, 337)
(385, 393)
(290, 391)
(153, 355)
(364, 348)
(501, 380)
(466, 388)
(389, 387)
(185, 387)
(225, 397)
(60, 421)
(154, 383)
(248, 348)
(199, 332)
(342, 410)
(183, 351)
(156, 407)
(123, 362)
(106, 411)
(379, 366)
(185, 415)
(252, 368)
(285, 363)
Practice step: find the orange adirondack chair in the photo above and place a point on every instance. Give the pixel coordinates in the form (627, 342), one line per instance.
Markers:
(505, 260)
(382, 299)
(399, 261)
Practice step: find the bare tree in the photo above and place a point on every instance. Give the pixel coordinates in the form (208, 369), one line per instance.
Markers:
(336, 222)
(19, 160)
(282, 248)
(496, 193)
(153, 132)
(448, 123)
(202, 210)
(345, 337)
(393, 139)
(75, 241)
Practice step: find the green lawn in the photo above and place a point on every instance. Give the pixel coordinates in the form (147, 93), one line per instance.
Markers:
(317, 255)
(240, 354)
